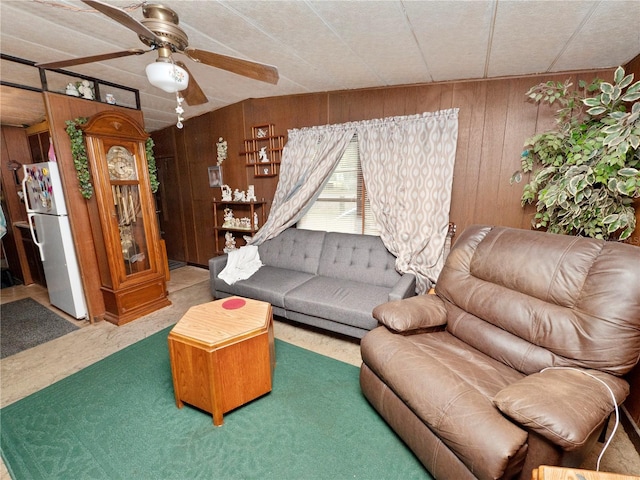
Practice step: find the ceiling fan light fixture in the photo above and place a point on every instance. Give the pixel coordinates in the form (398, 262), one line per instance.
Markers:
(167, 76)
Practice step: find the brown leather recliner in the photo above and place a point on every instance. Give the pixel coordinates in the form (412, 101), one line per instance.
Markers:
(463, 376)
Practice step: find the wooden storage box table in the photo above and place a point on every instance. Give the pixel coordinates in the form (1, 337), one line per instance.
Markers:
(545, 472)
(222, 355)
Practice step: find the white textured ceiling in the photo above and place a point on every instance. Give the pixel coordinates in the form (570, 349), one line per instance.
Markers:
(331, 45)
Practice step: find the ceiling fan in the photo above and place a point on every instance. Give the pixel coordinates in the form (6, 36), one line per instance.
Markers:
(159, 30)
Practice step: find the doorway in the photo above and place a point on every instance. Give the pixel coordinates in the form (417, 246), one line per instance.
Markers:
(170, 211)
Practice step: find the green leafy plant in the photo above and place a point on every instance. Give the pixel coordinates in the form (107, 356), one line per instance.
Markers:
(151, 163)
(81, 161)
(79, 154)
(588, 168)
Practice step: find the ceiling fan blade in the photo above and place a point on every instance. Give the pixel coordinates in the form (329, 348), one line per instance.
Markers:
(93, 58)
(193, 94)
(257, 71)
(123, 18)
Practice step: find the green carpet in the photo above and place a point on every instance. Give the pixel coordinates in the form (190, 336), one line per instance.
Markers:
(25, 324)
(118, 419)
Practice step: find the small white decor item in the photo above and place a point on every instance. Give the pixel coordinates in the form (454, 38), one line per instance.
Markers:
(111, 100)
(86, 89)
(261, 133)
(245, 222)
(72, 90)
(226, 193)
(251, 196)
(222, 150)
(179, 110)
(262, 153)
(229, 221)
(238, 196)
(229, 243)
(255, 220)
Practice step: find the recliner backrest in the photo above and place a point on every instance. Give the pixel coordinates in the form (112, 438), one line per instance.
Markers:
(532, 299)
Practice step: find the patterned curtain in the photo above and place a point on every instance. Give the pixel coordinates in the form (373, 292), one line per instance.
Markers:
(407, 163)
(308, 159)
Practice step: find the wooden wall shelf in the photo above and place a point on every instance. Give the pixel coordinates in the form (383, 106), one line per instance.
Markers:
(263, 151)
(248, 207)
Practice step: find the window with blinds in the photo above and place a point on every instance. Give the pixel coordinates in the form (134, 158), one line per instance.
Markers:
(343, 205)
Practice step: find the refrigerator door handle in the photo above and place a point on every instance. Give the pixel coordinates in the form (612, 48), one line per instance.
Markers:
(30, 217)
(25, 195)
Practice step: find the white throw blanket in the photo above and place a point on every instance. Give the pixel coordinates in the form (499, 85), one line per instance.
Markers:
(241, 264)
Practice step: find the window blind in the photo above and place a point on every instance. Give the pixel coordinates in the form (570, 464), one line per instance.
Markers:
(343, 205)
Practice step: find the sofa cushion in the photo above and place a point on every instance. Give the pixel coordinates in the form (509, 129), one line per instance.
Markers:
(577, 304)
(339, 300)
(294, 249)
(360, 258)
(269, 284)
(450, 387)
(565, 406)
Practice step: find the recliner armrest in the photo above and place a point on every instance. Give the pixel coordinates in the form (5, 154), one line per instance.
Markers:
(413, 314)
(564, 405)
(406, 287)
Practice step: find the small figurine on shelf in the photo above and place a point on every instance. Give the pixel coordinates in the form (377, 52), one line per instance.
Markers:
(228, 218)
(263, 155)
(226, 193)
(245, 222)
(229, 242)
(85, 89)
(72, 90)
(255, 220)
(238, 196)
(251, 196)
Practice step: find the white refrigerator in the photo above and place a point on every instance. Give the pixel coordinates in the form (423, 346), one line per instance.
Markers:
(51, 232)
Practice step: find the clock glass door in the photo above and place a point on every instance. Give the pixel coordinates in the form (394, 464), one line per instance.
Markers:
(125, 190)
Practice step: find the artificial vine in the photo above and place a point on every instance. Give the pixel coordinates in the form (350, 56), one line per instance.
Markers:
(151, 163)
(79, 153)
(81, 161)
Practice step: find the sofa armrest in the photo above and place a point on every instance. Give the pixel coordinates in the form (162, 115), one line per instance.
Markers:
(406, 287)
(216, 265)
(413, 314)
(564, 405)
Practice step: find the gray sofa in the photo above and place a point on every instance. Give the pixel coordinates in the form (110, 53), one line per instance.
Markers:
(328, 280)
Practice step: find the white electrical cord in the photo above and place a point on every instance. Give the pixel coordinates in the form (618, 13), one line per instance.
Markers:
(615, 404)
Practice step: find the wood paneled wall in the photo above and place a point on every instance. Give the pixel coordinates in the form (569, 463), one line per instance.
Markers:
(494, 120)
(14, 146)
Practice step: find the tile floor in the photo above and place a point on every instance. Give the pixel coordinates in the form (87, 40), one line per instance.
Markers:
(33, 369)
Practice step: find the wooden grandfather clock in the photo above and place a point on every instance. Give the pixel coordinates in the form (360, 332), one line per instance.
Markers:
(127, 237)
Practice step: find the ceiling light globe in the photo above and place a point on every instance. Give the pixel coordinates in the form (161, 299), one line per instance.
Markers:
(167, 76)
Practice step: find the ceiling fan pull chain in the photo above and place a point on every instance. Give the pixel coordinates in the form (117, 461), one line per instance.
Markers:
(179, 110)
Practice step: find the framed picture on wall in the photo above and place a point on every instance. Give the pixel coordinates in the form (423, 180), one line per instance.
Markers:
(215, 176)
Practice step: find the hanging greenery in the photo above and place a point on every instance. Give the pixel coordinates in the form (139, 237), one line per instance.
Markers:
(151, 163)
(79, 153)
(81, 161)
